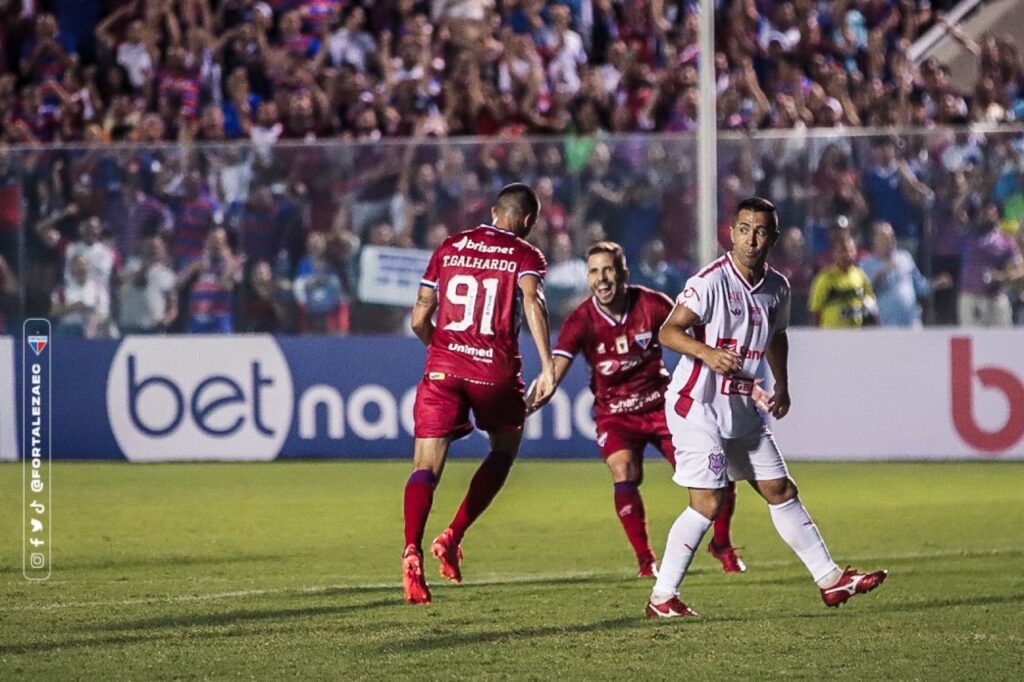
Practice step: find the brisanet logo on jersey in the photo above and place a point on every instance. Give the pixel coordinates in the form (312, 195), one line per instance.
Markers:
(215, 398)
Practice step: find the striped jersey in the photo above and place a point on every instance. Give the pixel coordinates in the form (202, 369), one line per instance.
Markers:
(732, 314)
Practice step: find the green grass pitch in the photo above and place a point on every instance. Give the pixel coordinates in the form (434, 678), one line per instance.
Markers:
(291, 570)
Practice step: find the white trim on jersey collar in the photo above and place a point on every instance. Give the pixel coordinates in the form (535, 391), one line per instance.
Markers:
(608, 318)
(750, 287)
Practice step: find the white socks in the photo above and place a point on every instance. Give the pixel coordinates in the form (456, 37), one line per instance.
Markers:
(799, 532)
(683, 538)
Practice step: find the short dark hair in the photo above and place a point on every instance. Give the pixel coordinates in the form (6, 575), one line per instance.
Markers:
(761, 205)
(614, 250)
(517, 201)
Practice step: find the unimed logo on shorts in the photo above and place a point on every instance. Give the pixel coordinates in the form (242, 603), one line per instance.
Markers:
(218, 398)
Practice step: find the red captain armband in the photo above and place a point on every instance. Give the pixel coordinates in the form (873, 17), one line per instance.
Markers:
(737, 386)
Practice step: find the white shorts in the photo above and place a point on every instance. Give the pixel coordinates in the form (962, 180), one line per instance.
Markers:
(706, 460)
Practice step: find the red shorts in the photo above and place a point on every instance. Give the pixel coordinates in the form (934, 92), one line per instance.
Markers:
(633, 432)
(443, 403)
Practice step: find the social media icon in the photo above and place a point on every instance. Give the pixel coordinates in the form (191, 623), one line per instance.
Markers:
(37, 525)
(37, 560)
(37, 507)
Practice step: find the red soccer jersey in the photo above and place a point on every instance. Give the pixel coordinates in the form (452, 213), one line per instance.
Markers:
(627, 374)
(476, 274)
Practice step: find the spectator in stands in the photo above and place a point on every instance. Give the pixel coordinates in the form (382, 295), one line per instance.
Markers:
(654, 270)
(133, 215)
(566, 282)
(841, 294)
(894, 193)
(318, 291)
(266, 301)
(195, 213)
(992, 259)
(9, 288)
(148, 292)
(261, 224)
(791, 258)
(81, 305)
(137, 52)
(210, 282)
(100, 256)
(352, 44)
(896, 280)
(43, 58)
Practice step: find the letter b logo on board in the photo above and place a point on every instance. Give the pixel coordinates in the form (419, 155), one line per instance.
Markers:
(223, 398)
(964, 401)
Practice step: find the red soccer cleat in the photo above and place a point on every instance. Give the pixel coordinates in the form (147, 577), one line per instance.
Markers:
(731, 563)
(673, 608)
(449, 554)
(416, 590)
(648, 569)
(850, 584)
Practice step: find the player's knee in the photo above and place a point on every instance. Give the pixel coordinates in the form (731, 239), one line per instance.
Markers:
(504, 457)
(708, 503)
(778, 491)
(624, 473)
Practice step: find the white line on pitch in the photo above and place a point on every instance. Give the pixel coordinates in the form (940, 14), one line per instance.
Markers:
(491, 579)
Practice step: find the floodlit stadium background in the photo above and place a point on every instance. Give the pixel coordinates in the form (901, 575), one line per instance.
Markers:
(335, 158)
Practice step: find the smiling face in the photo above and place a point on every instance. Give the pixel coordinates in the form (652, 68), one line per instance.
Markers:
(604, 279)
(752, 236)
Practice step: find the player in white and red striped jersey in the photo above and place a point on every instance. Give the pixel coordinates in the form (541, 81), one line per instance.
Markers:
(480, 283)
(616, 332)
(729, 319)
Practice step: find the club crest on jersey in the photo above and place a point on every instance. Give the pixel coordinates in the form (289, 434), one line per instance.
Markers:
(38, 343)
(716, 461)
(643, 340)
(621, 345)
(735, 302)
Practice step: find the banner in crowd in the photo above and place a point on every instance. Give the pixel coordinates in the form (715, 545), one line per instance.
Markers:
(879, 394)
(391, 276)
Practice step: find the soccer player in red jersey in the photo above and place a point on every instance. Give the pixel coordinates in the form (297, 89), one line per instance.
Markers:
(480, 283)
(616, 330)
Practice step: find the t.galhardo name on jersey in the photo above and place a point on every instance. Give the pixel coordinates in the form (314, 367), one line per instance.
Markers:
(477, 263)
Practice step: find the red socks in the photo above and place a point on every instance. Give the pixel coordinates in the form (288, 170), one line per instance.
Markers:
(723, 522)
(419, 495)
(630, 508)
(486, 483)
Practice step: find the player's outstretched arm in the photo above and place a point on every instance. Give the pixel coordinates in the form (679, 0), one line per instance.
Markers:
(536, 311)
(777, 355)
(423, 314)
(673, 335)
(562, 365)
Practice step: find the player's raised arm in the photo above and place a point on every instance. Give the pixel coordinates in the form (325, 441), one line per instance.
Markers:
(536, 310)
(777, 355)
(423, 314)
(673, 334)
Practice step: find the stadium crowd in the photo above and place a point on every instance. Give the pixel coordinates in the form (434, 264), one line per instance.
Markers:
(273, 140)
